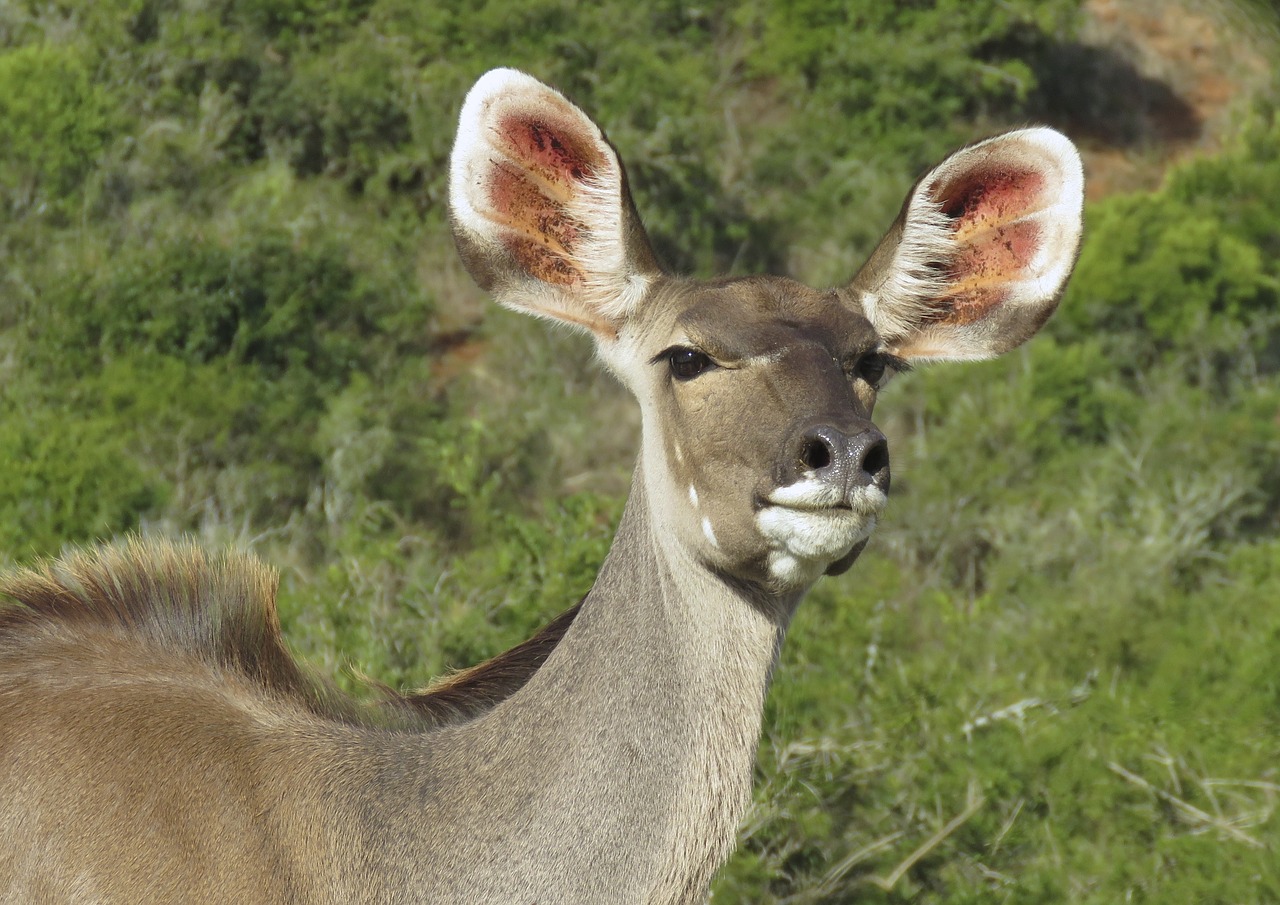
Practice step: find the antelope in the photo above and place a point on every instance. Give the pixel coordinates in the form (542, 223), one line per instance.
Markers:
(159, 744)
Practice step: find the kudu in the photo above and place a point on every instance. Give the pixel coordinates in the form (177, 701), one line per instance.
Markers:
(159, 744)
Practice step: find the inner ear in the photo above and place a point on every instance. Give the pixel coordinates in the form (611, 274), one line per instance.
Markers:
(987, 209)
(540, 208)
(550, 165)
(981, 252)
(537, 229)
(979, 198)
(549, 147)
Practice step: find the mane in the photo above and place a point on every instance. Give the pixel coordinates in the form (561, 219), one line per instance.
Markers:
(468, 693)
(221, 609)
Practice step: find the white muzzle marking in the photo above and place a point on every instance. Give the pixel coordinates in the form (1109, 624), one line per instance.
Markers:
(810, 526)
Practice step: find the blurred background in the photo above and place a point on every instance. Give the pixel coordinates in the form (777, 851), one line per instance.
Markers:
(230, 308)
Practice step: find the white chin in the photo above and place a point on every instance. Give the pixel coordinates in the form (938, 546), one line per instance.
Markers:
(805, 542)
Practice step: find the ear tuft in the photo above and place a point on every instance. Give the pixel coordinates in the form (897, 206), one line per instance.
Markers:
(540, 207)
(982, 249)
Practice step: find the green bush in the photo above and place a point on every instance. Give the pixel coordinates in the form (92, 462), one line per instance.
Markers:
(1192, 267)
(266, 301)
(56, 121)
(66, 477)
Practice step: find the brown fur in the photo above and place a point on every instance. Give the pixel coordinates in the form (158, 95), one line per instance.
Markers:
(222, 610)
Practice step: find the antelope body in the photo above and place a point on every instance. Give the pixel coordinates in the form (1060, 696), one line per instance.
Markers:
(158, 744)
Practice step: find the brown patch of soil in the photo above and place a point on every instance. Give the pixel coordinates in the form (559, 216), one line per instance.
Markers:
(1193, 67)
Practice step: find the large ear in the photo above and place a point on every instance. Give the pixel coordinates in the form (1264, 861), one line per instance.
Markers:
(540, 208)
(981, 252)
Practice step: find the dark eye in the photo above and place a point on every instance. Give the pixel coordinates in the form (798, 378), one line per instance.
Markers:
(871, 368)
(687, 364)
(876, 367)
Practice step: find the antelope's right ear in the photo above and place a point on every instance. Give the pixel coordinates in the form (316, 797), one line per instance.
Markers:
(540, 208)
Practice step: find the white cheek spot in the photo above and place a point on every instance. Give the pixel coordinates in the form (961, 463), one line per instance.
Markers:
(693, 496)
(788, 570)
(710, 533)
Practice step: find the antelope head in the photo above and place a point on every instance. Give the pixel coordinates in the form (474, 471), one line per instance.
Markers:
(759, 460)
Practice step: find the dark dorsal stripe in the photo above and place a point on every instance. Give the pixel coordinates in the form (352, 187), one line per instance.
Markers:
(470, 692)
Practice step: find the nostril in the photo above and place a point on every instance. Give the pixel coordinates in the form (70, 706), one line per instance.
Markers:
(876, 458)
(815, 454)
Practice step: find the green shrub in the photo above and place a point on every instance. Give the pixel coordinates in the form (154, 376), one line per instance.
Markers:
(66, 476)
(56, 122)
(266, 301)
(1190, 268)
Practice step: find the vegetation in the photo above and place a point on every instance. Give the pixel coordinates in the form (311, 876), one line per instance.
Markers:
(229, 307)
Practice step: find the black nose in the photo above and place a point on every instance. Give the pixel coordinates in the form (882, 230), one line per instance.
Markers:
(860, 460)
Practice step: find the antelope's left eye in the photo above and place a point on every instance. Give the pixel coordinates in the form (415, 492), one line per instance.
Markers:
(687, 364)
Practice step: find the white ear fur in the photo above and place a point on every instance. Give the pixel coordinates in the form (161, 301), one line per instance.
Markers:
(540, 207)
(984, 246)
(898, 303)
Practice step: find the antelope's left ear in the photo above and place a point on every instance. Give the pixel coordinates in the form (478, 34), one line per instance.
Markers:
(980, 254)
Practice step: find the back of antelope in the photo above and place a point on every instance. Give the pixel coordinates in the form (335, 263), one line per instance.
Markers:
(159, 744)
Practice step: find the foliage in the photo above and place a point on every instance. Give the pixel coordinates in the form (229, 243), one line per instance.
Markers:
(229, 306)
(1192, 267)
(56, 121)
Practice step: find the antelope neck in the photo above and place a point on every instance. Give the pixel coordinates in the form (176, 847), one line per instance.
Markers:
(642, 724)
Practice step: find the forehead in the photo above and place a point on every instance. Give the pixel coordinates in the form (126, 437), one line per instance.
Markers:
(754, 315)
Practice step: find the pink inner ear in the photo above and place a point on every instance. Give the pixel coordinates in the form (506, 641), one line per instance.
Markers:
(523, 207)
(983, 198)
(551, 150)
(529, 193)
(541, 262)
(997, 254)
(994, 245)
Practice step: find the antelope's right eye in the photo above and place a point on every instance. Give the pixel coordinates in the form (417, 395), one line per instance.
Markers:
(687, 364)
